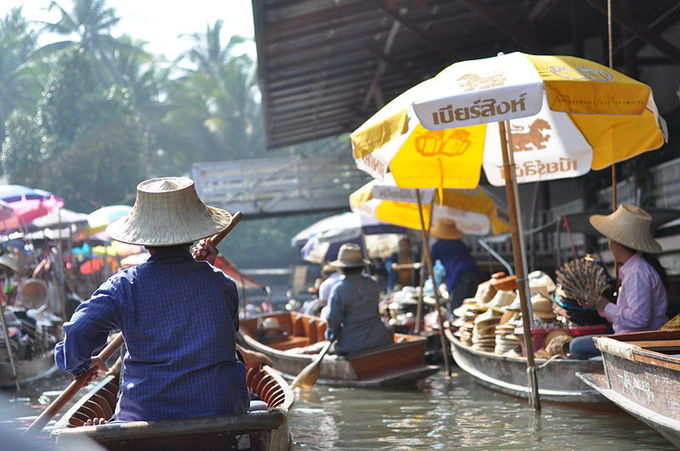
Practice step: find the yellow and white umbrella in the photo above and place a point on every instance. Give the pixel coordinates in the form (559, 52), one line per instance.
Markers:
(566, 115)
(557, 116)
(474, 211)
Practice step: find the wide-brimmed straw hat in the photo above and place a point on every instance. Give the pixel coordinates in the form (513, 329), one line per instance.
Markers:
(349, 256)
(168, 212)
(629, 225)
(446, 229)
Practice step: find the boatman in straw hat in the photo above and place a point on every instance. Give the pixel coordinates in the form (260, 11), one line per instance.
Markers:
(353, 318)
(642, 300)
(178, 314)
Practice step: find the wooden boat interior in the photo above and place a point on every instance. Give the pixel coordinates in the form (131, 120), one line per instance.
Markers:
(220, 432)
(659, 347)
(298, 330)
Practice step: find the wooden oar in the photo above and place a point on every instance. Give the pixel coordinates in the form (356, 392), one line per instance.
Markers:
(73, 388)
(104, 355)
(310, 374)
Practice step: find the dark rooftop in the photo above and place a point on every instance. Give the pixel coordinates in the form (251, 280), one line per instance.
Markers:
(325, 66)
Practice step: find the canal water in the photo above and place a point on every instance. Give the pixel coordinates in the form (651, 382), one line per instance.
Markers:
(440, 413)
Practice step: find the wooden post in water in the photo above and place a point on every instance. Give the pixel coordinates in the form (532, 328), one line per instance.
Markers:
(519, 257)
(427, 259)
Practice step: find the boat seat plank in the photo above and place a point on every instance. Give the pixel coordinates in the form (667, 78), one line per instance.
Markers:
(290, 342)
(657, 344)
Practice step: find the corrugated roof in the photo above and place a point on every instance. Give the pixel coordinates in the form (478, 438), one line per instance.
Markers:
(326, 65)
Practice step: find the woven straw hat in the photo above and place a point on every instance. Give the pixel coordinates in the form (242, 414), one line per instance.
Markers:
(542, 307)
(32, 293)
(446, 229)
(8, 261)
(629, 225)
(168, 212)
(349, 256)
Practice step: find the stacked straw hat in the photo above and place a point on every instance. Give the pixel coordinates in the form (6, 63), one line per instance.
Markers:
(168, 212)
(484, 331)
(506, 340)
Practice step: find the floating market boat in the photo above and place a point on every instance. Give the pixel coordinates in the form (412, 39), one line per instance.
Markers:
(557, 379)
(400, 363)
(27, 371)
(264, 429)
(642, 376)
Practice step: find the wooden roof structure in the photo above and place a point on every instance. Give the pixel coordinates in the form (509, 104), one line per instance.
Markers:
(325, 66)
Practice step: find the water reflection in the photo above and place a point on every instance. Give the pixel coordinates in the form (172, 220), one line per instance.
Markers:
(439, 414)
(456, 413)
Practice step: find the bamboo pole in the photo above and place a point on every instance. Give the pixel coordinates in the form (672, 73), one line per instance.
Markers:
(519, 257)
(427, 259)
(8, 343)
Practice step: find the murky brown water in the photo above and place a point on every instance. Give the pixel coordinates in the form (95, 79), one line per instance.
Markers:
(439, 414)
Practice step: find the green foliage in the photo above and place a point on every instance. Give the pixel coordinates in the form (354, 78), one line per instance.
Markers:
(88, 141)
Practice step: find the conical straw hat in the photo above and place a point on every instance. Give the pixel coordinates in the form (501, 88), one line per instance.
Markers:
(446, 229)
(168, 212)
(629, 225)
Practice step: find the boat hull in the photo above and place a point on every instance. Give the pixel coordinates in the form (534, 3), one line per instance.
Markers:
(397, 364)
(557, 380)
(27, 370)
(262, 430)
(640, 379)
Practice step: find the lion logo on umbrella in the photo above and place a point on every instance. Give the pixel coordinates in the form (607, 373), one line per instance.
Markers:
(524, 140)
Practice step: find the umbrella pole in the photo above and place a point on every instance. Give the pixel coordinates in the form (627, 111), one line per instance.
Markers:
(419, 311)
(519, 257)
(428, 261)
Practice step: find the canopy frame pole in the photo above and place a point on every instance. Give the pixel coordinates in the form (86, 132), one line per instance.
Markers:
(519, 257)
(427, 257)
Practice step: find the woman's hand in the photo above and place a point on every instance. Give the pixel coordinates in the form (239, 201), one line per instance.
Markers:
(205, 251)
(254, 359)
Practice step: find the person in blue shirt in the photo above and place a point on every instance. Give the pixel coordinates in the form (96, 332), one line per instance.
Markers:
(177, 313)
(462, 273)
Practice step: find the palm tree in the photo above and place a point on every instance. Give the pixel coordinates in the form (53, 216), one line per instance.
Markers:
(91, 21)
(19, 81)
(225, 83)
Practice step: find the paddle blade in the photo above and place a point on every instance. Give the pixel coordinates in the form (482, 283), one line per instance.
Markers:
(308, 376)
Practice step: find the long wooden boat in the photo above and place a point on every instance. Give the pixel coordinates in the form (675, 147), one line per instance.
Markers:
(642, 376)
(264, 429)
(39, 367)
(557, 379)
(400, 363)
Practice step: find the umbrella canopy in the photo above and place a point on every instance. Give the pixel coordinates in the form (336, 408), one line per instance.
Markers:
(473, 211)
(60, 217)
(95, 265)
(117, 249)
(344, 227)
(375, 246)
(27, 203)
(99, 219)
(566, 115)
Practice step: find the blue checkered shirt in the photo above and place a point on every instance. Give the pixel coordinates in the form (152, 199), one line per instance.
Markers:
(178, 317)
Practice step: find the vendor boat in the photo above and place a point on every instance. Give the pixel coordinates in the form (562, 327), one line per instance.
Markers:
(27, 371)
(399, 363)
(642, 376)
(262, 429)
(557, 380)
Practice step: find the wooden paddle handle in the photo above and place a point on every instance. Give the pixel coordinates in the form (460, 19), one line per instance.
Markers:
(215, 239)
(72, 388)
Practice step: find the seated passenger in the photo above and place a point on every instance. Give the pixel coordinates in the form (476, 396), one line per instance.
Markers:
(642, 300)
(353, 318)
(178, 315)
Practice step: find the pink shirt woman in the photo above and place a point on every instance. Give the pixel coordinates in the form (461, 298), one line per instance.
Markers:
(642, 301)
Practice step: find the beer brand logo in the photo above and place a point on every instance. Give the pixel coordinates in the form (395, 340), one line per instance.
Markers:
(475, 82)
(581, 73)
(523, 138)
(479, 108)
(436, 142)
